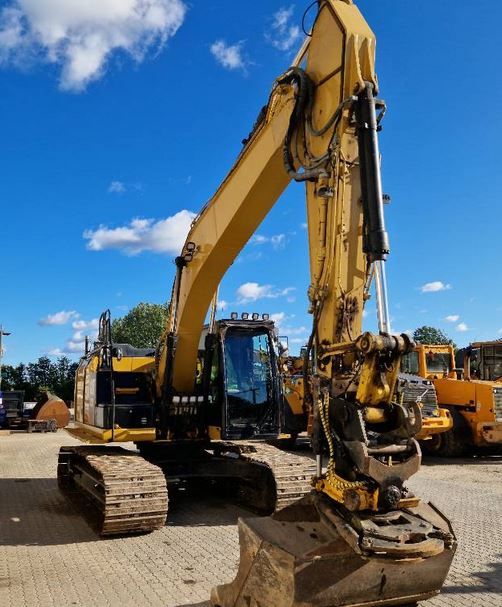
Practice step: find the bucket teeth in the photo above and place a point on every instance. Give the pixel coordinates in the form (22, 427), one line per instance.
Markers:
(301, 558)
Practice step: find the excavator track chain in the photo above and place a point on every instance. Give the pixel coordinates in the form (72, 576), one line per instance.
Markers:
(129, 493)
(282, 478)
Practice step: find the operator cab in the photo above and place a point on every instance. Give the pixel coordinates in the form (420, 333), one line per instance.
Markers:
(239, 378)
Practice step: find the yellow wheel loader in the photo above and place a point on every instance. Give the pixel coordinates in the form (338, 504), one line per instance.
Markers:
(474, 403)
(413, 389)
(359, 536)
(482, 360)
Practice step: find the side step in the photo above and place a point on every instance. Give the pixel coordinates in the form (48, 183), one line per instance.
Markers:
(130, 494)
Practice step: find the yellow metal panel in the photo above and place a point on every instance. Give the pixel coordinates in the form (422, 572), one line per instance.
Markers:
(214, 432)
(134, 364)
(454, 392)
(435, 425)
(91, 434)
(221, 231)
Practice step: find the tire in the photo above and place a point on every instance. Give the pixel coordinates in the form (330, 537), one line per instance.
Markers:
(450, 444)
(454, 442)
(432, 445)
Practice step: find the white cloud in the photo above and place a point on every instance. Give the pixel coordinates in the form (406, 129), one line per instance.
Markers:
(11, 30)
(80, 36)
(228, 55)
(433, 287)
(252, 291)
(499, 331)
(283, 34)
(59, 318)
(296, 330)
(162, 236)
(74, 346)
(278, 318)
(221, 305)
(452, 318)
(462, 327)
(55, 352)
(283, 320)
(278, 241)
(117, 187)
(299, 340)
(81, 325)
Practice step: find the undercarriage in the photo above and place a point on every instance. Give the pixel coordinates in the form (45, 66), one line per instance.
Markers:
(130, 490)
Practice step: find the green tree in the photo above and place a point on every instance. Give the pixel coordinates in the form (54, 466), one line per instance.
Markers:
(65, 378)
(42, 375)
(12, 377)
(430, 336)
(142, 327)
(57, 377)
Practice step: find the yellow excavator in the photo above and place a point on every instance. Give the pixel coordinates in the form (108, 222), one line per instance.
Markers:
(360, 537)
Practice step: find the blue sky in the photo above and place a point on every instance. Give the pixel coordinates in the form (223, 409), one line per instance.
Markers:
(114, 119)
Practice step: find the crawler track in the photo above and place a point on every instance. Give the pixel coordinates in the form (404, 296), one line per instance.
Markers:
(129, 492)
(282, 477)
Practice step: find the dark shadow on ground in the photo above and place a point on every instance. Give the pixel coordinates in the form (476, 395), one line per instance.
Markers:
(34, 512)
(204, 506)
(489, 582)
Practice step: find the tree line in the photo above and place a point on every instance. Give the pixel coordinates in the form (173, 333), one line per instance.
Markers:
(141, 327)
(56, 376)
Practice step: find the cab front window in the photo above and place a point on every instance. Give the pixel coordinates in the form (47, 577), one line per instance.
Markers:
(409, 363)
(438, 362)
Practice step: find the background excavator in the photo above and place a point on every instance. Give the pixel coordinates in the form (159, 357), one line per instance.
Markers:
(360, 537)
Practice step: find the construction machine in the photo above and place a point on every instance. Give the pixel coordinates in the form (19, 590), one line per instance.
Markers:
(473, 402)
(482, 360)
(412, 389)
(360, 536)
(215, 432)
(46, 414)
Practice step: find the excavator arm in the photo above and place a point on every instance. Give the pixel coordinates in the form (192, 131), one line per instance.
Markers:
(320, 128)
(303, 133)
(360, 525)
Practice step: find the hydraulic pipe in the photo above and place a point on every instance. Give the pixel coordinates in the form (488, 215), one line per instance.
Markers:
(376, 239)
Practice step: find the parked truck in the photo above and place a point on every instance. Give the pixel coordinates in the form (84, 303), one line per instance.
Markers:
(47, 414)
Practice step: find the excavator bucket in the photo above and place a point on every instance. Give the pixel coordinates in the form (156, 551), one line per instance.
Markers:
(310, 554)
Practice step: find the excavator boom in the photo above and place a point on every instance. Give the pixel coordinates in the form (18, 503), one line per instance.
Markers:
(340, 62)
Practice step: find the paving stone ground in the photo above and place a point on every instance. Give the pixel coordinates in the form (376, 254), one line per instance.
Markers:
(49, 555)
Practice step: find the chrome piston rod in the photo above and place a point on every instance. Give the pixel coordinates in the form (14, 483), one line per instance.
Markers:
(381, 297)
